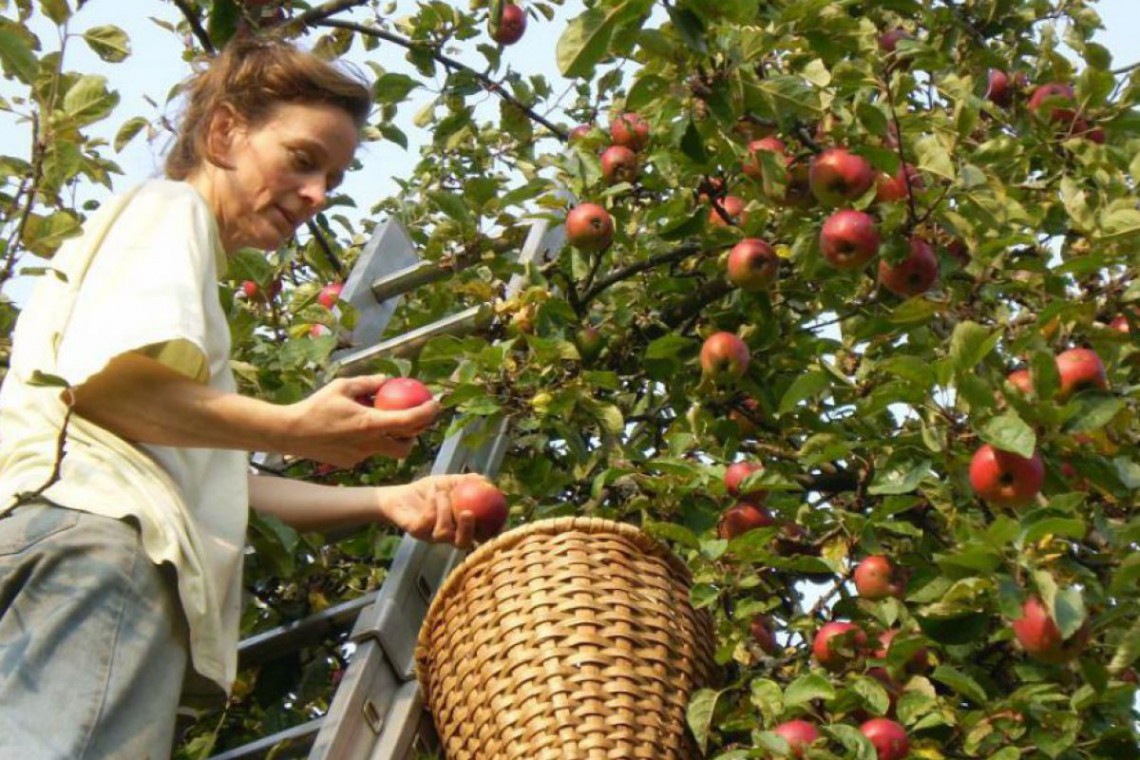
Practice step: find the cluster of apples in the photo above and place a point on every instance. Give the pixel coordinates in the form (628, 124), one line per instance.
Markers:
(1007, 480)
(1053, 102)
(589, 227)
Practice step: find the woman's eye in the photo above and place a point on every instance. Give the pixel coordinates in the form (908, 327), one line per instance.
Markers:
(301, 160)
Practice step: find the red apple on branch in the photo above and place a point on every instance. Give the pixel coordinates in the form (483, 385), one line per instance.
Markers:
(589, 227)
(751, 165)
(511, 26)
(760, 628)
(877, 578)
(849, 239)
(724, 356)
(631, 131)
(837, 644)
(730, 206)
(741, 518)
(1080, 369)
(919, 661)
(752, 264)
(1054, 102)
(330, 294)
(838, 176)
(736, 473)
(913, 275)
(1021, 380)
(577, 132)
(483, 500)
(1004, 479)
(619, 164)
(398, 393)
(1039, 636)
(799, 734)
(896, 188)
(887, 737)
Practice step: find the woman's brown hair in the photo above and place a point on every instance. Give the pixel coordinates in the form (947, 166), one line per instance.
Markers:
(254, 76)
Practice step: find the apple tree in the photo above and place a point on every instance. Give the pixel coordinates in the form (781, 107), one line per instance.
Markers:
(845, 317)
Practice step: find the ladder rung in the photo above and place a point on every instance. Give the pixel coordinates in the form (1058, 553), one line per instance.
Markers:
(461, 323)
(409, 278)
(275, 642)
(302, 736)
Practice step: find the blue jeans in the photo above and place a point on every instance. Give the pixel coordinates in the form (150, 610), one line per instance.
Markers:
(93, 642)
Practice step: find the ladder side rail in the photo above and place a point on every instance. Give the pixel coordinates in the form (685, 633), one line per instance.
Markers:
(387, 631)
(308, 631)
(301, 736)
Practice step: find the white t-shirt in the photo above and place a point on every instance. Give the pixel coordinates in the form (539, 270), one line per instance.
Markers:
(142, 277)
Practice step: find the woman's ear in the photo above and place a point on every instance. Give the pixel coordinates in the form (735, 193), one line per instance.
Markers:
(225, 128)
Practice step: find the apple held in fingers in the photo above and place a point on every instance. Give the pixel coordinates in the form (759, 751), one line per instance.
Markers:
(724, 356)
(752, 264)
(485, 502)
(838, 176)
(849, 239)
(589, 227)
(837, 644)
(1004, 479)
(1039, 636)
(511, 27)
(398, 393)
(913, 275)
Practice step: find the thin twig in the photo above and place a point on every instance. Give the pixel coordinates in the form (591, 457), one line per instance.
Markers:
(323, 244)
(321, 12)
(26, 497)
(195, 23)
(677, 254)
(450, 63)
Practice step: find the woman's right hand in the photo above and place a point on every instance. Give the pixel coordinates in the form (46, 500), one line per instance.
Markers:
(333, 426)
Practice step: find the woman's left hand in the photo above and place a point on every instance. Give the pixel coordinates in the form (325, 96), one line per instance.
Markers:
(422, 508)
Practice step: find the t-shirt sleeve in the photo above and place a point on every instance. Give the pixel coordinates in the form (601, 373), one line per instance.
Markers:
(146, 289)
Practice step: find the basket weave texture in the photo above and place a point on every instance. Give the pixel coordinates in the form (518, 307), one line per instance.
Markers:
(564, 639)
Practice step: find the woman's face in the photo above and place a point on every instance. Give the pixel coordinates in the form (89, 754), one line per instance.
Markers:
(275, 176)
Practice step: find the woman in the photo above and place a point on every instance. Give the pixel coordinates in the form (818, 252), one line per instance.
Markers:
(123, 498)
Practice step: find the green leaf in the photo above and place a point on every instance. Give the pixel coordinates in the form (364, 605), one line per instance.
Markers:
(1009, 432)
(1091, 410)
(858, 746)
(1069, 527)
(699, 714)
(57, 10)
(452, 204)
(1076, 204)
(899, 478)
(807, 688)
(961, 683)
(586, 39)
(934, 158)
(669, 347)
(969, 344)
(109, 42)
(873, 694)
(127, 132)
(44, 380)
(16, 54)
(393, 88)
(1120, 222)
(88, 100)
(804, 387)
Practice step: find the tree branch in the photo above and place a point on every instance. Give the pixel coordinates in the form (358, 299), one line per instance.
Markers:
(451, 64)
(321, 12)
(677, 254)
(196, 26)
(315, 231)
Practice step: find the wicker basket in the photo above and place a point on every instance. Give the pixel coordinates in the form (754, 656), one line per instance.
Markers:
(564, 639)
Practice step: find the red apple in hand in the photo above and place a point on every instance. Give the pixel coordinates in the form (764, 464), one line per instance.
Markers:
(511, 26)
(1080, 369)
(1004, 479)
(849, 239)
(876, 578)
(483, 500)
(330, 294)
(724, 356)
(1040, 637)
(733, 208)
(838, 176)
(799, 734)
(398, 393)
(619, 164)
(589, 227)
(631, 131)
(913, 275)
(737, 473)
(752, 264)
(838, 644)
(888, 738)
(741, 518)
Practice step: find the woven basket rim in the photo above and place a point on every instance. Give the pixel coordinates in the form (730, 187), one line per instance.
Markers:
(549, 526)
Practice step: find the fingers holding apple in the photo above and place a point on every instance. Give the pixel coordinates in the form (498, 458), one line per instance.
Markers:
(476, 500)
